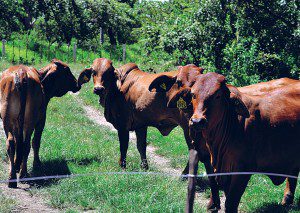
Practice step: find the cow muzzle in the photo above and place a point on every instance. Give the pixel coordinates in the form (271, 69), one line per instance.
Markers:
(198, 124)
(99, 90)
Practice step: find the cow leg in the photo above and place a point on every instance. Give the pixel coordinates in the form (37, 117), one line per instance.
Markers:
(214, 202)
(190, 146)
(11, 148)
(193, 168)
(289, 190)
(235, 191)
(123, 139)
(141, 143)
(36, 142)
(26, 150)
(19, 154)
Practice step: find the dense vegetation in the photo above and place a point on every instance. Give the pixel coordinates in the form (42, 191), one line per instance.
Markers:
(247, 41)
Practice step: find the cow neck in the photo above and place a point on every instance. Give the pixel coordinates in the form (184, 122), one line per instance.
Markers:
(223, 138)
(112, 94)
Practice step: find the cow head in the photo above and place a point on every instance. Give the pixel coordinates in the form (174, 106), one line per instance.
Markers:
(57, 79)
(103, 75)
(185, 78)
(209, 97)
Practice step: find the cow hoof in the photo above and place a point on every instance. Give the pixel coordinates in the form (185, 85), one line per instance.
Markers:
(144, 165)
(122, 164)
(12, 185)
(213, 207)
(287, 200)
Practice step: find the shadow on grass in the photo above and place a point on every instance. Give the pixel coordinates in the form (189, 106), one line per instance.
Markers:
(57, 167)
(277, 208)
(85, 161)
(49, 168)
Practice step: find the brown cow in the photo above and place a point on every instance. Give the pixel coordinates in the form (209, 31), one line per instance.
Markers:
(189, 76)
(263, 87)
(130, 106)
(25, 94)
(246, 133)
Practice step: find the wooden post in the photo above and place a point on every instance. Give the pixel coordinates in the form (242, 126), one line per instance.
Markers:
(3, 48)
(74, 52)
(124, 53)
(101, 34)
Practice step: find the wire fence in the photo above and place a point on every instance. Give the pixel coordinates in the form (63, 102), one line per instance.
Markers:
(146, 173)
(32, 52)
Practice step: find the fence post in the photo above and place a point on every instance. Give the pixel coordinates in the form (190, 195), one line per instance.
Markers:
(124, 53)
(3, 48)
(74, 52)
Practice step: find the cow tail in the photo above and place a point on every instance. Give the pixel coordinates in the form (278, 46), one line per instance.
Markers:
(21, 81)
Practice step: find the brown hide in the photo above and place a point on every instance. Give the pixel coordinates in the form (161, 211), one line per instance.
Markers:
(25, 93)
(265, 138)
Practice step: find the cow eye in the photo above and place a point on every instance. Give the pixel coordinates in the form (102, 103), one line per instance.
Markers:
(218, 97)
(94, 73)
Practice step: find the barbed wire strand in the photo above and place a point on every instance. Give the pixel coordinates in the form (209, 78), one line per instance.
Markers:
(144, 173)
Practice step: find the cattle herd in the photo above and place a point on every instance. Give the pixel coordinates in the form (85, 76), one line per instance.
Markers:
(246, 129)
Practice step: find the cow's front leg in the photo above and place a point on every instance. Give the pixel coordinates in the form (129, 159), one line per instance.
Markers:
(193, 168)
(234, 192)
(141, 143)
(289, 190)
(123, 139)
(190, 146)
(214, 202)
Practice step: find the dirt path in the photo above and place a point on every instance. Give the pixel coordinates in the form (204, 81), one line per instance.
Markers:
(160, 162)
(26, 202)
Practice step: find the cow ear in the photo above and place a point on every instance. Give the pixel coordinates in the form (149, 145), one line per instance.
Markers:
(239, 106)
(162, 83)
(201, 70)
(181, 100)
(85, 76)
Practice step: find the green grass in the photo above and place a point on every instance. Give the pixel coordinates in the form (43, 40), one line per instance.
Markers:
(72, 144)
(6, 204)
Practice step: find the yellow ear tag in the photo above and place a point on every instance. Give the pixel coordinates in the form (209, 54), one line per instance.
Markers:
(181, 104)
(85, 78)
(163, 86)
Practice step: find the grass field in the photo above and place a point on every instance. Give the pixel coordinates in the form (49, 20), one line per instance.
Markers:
(72, 144)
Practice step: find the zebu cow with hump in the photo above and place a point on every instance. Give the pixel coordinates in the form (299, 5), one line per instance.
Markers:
(130, 106)
(24, 96)
(246, 133)
(186, 79)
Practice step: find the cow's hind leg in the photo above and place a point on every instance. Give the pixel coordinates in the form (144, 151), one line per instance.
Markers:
(11, 148)
(19, 154)
(123, 139)
(141, 136)
(26, 150)
(289, 190)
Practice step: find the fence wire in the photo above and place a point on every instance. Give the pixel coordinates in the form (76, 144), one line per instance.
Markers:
(145, 173)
